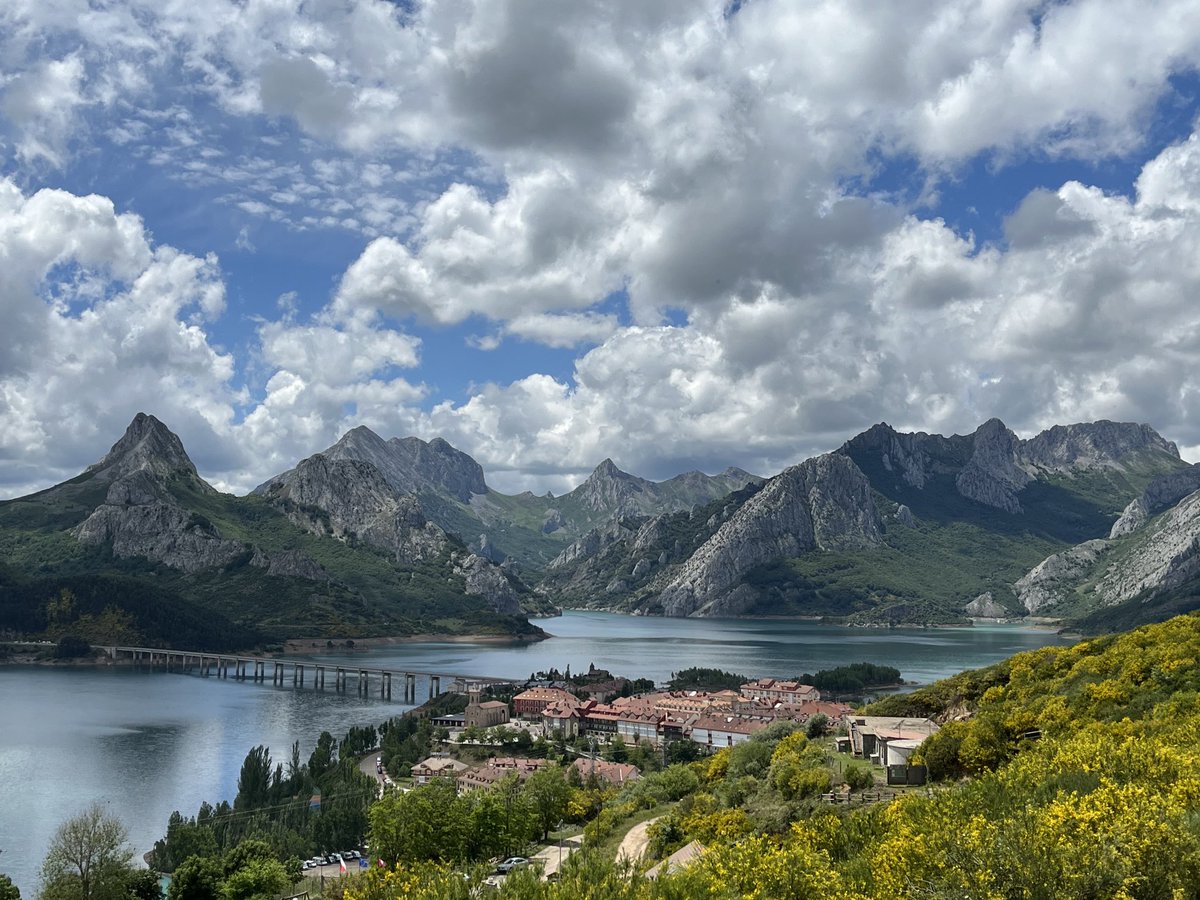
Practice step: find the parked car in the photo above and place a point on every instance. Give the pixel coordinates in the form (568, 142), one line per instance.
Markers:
(511, 863)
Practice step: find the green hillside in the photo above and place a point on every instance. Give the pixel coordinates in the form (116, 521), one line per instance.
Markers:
(238, 604)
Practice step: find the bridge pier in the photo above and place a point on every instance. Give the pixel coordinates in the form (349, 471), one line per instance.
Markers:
(298, 674)
(339, 679)
(319, 677)
(364, 682)
(385, 686)
(435, 686)
(410, 688)
(260, 670)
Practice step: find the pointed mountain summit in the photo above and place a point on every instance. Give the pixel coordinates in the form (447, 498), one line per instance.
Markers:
(152, 554)
(609, 489)
(147, 446)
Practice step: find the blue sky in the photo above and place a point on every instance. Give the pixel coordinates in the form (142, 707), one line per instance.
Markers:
(677, 234)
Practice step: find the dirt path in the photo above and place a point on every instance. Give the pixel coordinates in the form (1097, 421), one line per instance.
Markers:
(634, 845)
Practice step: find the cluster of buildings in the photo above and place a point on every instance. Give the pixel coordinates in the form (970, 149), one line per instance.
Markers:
(496, 769)
(713, 719)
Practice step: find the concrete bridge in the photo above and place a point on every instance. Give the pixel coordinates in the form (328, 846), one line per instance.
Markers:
(255, 668)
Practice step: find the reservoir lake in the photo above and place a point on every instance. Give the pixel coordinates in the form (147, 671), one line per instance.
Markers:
(143, 744)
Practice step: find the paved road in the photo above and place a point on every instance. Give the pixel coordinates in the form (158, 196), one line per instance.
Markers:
(367, 765)
(633, 847)
(556, 852)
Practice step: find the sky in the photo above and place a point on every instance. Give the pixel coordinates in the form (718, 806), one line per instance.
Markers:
(679, 234)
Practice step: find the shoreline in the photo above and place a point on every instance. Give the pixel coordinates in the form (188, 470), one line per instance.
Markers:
(293, 646)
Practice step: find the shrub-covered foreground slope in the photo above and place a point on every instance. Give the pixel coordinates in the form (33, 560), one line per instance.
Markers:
(1082, 770)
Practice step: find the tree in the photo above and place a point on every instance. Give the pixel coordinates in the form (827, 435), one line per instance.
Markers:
(549, 792)
(89, 858)
(254, 781)
(8, 890)
(143, 884)
(196, 878)
(816, 725)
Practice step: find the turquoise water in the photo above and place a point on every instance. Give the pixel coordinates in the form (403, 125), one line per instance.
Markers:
(144, 744)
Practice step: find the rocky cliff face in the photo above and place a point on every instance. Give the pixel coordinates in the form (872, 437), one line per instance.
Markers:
(824, 503)
(1163, 558)
(992, 466)
(159, 531)
(1156, 556)
(1160, 494)
(351, 499)
(993, 475)
(409, 465)
(610, 490)
(913, 458)
(1053, 581)
(347, 497)
(147, 446)
(1088, 445)
(139, 517)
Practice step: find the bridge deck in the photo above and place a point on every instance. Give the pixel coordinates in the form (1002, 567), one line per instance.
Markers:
(236, 658)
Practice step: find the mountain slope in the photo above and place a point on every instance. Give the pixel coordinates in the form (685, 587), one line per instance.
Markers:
(1146, 569)
(527, 529)
(919, 528)
(140, 532)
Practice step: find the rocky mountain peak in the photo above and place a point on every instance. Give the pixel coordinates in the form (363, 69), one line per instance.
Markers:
(609, 489)
(435, 464)
(1089, 445)
(607, 469)
(993, 475)
(147, 446)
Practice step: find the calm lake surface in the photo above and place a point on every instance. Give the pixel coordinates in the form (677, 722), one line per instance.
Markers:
(144, 744)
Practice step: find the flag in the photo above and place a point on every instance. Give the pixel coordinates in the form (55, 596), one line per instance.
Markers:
(341, 865)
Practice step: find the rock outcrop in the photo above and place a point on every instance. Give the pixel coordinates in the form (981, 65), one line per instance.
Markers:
(825, 503)
(1164, 556)
(993, 475)
(1090, 445)
(160, 531)
(992, 466)
(139, 517)
(349, 498)
(150, 447)
(409, 465)
(985, 606)
(1160, 494)
(1053, 581)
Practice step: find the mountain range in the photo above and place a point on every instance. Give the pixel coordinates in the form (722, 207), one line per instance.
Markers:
(1095, 524)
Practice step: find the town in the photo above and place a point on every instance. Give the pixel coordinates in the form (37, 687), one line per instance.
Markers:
(593, 713)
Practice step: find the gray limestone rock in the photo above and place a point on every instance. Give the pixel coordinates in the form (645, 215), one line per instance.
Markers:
(1166, 556)
(905, 517)
(484, 579)
(1160, 494)
(1052, 581)
(985, 607)
(1088, 445)
(347, 497)
(147, 446)
(992, 475)
(409, 465)
(553, 521)
(290, 563)
(159, 531)
(824, 503)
